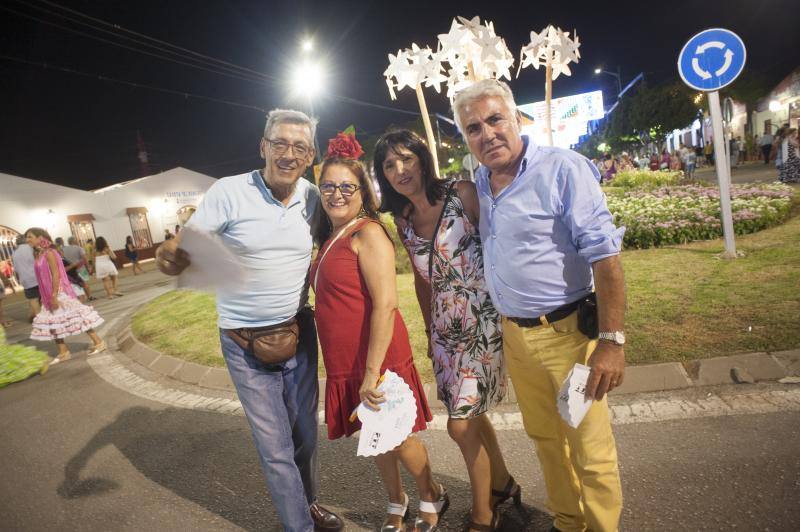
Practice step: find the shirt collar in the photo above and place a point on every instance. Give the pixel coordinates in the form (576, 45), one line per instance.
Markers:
(257, 180)
(529, 149)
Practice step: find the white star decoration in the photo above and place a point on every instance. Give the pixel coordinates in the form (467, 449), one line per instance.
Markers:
(471, 51)
(552, 46)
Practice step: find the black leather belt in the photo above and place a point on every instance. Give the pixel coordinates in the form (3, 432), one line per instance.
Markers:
(558, 314)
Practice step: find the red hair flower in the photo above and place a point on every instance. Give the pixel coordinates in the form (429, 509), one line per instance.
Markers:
(344, 145)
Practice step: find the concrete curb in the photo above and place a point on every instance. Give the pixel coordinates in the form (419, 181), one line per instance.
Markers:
(638, 379)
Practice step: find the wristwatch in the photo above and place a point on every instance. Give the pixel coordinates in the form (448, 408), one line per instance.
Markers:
(617, 337)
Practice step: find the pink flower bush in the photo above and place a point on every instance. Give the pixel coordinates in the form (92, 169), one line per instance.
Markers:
(678, 214)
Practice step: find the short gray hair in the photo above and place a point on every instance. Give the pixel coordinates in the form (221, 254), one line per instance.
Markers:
(289, 116)
(72, 241)
(479, 90)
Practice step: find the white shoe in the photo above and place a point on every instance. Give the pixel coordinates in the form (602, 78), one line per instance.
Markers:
(98, 349)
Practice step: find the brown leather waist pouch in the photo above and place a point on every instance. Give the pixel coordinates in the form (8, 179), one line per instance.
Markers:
(272, 344)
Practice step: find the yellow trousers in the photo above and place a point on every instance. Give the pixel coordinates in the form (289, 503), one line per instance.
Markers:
(579, 465)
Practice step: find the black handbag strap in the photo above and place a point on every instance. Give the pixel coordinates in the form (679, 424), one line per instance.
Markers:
(436, 231)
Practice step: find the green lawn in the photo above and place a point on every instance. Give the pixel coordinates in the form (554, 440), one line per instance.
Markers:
(683, 303)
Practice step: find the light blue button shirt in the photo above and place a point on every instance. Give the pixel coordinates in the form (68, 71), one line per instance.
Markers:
(272, 240)
(23, 261)
(543, 231)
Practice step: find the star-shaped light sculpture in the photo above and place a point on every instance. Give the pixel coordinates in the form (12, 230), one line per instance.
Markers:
(473, 51)
(552, 47)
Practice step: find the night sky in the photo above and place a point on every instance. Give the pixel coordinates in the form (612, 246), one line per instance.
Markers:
(81, 130)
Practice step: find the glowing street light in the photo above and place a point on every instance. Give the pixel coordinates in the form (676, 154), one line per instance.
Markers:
(307, 79)
(307, 45)
(775, 106)
(599, 70)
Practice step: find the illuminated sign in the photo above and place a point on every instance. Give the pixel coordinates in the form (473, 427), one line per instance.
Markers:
(569, 116)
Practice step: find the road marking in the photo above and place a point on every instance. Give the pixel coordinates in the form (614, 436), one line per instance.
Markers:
(622, 413)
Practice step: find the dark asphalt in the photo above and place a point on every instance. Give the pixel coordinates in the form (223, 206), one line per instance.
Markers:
(79, 454)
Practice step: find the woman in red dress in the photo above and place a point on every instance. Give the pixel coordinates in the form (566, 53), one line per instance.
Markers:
(362, 333)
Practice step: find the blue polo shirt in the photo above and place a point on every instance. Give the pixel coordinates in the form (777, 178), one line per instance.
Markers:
(543, 231)
(272, 240)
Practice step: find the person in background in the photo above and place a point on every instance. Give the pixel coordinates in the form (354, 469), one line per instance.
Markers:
(168, 235)
(62, 315)
(75, 256)
(23, 261)
(742, 152)
(5, 282)
(690, 163)
(790, 170)
(609, 168)
(133, 254)
(708, 151)
(625, 162)
(675, 161)
(105, 270)
(765, 144)
(733, 152)
(90, 250)
(177, 229)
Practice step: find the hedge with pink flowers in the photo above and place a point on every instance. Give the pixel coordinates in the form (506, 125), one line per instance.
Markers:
(680, 214)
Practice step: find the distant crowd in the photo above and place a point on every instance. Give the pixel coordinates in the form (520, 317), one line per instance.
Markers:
(782, 148)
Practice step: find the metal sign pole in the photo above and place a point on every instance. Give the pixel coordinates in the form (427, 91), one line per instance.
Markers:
(723, 174)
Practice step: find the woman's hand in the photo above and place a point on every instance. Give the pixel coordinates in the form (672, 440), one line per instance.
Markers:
(54, 302)
(368, 392)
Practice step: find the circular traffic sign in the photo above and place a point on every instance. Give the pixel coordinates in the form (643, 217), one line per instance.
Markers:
(712, 59)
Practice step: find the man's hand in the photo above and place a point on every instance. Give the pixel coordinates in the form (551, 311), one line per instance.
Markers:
(608, 369)
(171, 259)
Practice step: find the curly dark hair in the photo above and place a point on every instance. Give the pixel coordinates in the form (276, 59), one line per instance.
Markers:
(391, 200)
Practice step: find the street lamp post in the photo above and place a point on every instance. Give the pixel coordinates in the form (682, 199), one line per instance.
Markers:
(307, 81)
(616, 74)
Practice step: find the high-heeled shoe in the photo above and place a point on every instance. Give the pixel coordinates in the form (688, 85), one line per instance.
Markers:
(396, 509)
(495, 525)
(511, 491)
(438, 507)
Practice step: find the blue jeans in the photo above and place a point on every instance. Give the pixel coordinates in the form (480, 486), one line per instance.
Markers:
(280, 403)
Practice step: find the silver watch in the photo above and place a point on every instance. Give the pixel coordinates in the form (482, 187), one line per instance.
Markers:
(618, 337)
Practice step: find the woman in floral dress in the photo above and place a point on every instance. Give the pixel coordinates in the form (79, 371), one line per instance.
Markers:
(437, 222)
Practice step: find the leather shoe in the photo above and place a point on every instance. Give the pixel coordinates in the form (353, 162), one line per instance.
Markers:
(325, 520)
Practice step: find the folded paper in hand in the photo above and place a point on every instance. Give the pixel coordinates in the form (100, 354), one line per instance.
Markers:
(213, 266)
(385, 429)
(572, 401)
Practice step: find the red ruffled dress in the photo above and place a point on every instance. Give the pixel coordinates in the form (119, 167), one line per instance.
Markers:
(343, 309)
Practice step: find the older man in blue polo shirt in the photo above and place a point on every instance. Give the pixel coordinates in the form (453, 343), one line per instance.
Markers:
(549, 243)
(266, 217)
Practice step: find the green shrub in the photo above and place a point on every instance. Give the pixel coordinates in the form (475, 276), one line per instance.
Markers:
(646, 179)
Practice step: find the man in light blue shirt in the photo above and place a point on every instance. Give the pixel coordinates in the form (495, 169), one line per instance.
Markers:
(550, 247)
(267, 218)
(23, 261)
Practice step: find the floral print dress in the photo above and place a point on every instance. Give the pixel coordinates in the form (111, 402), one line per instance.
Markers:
(466, 336)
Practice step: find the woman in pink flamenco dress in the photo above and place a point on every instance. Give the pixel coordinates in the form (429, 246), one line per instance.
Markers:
(62, 315)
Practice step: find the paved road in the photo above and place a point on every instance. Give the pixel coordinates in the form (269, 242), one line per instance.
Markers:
(80, 451)
(751, 172)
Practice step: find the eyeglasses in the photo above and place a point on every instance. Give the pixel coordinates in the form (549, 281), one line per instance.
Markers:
(281, 146)
(347, 189)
